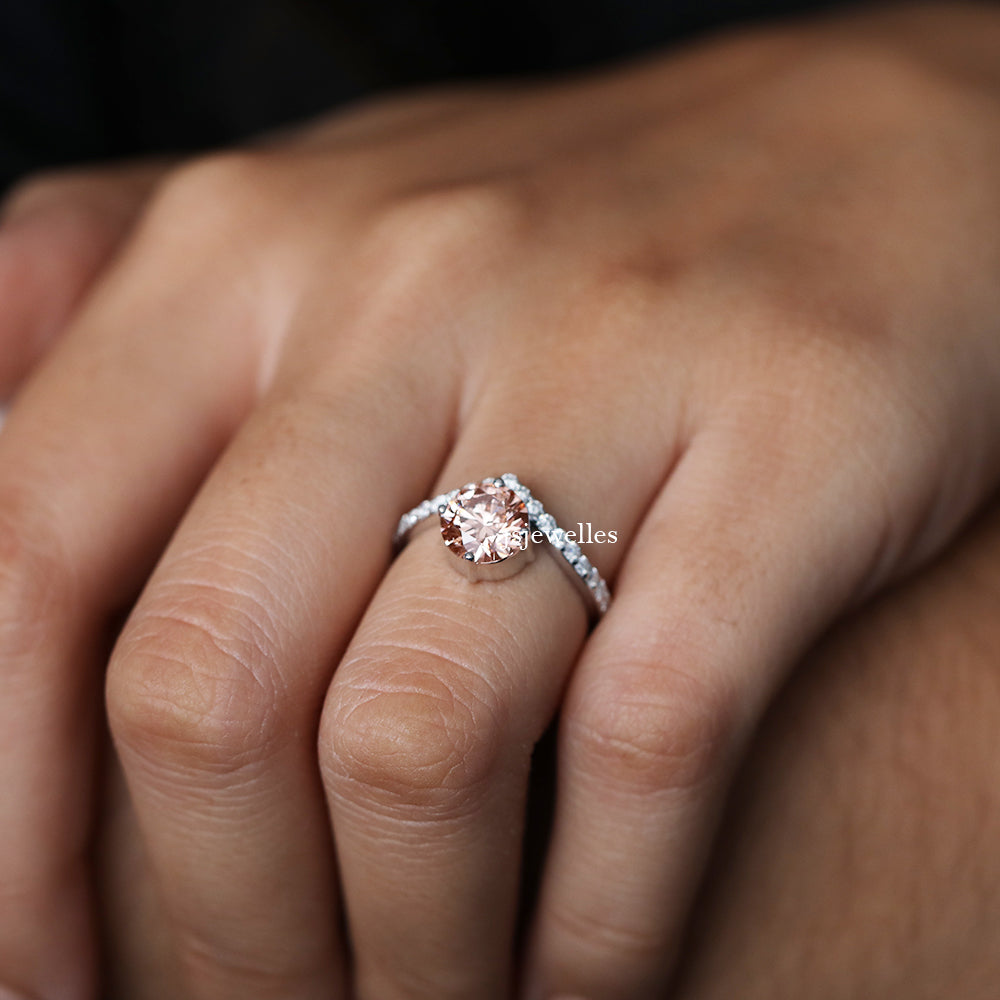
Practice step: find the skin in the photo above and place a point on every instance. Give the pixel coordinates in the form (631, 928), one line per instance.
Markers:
(857, 857)
(738, 304)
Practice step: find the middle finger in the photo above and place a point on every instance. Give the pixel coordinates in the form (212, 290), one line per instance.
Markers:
(216, 682)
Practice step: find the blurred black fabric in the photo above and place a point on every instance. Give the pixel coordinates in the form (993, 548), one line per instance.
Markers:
(95, 79)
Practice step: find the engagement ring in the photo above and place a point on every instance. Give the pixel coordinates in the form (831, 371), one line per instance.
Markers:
(492, 526)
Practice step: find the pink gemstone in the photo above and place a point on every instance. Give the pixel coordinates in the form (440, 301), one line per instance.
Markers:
(485, 523)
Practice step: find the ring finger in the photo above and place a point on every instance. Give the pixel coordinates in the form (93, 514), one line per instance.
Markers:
(447, 685)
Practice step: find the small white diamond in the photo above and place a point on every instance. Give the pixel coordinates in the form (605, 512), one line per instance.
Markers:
(557, 537)
(510, 480)
(582, 568)
(571, 551)
(546, 523)
(533, 507)
(593, 578)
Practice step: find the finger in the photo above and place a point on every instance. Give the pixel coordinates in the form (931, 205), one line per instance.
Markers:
(100, 453)
(736, 566)
(58, 232)
(447, 685)
(214, 690)
(137, 959)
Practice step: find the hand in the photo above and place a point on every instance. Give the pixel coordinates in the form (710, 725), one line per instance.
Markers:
(702, 302)
(859, 855)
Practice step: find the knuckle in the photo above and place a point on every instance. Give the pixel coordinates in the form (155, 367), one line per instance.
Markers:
(429, 738)
(654, 729)
(196, 686)
(423, 249)
(221, 195)
(450, 226)
(36, 576)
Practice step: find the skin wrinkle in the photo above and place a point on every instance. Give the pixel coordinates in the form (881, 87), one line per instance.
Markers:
(248, 596)
(202, 801)
(649, 749)
(241, 622)
(215, 960)
(259, 589)
(249, 573)
(472, 679)
(609, 938)
(395, 755)
(185, 713)
(494, 636)
(469, 753)
(438, 610)
(402, 827)
(495, 643)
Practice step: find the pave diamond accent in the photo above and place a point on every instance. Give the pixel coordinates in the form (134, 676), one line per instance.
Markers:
(485, 523)
(544, 522)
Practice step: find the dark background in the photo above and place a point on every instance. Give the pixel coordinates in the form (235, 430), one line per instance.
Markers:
(96, 79)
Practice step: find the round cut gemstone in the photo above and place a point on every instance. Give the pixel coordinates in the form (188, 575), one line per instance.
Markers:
(485, 523)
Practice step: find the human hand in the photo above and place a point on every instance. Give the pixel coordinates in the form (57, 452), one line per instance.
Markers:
(858, 854)
(859, 857)
(701, 302)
